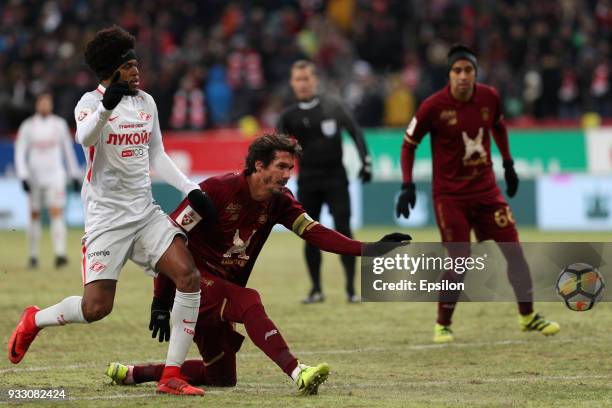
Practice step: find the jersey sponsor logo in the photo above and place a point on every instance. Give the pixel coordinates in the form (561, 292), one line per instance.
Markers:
(474, 147)
(83, 114)
(132, 125)
(104, 252)
(134, 152)
(97, 267)
(144, 116)
(129, 138)
(329, 127)
(239, 246)
(188, 218)
(449, 116)
(233, 208)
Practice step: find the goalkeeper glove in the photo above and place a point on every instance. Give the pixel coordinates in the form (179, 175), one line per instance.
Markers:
(406, 200)
(202, 204)
(115, 92)
(160, 320)
(512, 181)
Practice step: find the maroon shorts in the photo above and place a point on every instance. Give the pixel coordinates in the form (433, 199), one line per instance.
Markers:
(490, 217)
(223, 305)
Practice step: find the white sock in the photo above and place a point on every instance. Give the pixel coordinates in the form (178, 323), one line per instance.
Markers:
(296, 372)
(184, 317)
(34, 232)
(58, 235)
(67, 311)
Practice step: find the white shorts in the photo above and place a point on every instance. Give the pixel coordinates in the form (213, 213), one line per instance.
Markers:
(105, 253)
(49, 196)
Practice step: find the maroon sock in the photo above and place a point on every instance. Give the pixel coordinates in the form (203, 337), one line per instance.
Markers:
(267, 337)
(193, 370)
(525, 308)
(146, 373)
(445, 313)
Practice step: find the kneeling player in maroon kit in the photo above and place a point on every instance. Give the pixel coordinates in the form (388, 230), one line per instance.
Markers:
(249, 205)
(460, 118)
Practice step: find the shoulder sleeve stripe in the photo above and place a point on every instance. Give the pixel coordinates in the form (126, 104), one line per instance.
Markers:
(303, 223)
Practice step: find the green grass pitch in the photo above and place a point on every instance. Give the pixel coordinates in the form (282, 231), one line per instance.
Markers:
(381, 355)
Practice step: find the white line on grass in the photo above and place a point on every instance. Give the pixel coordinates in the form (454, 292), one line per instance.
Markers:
(360, 385)
(310, 352)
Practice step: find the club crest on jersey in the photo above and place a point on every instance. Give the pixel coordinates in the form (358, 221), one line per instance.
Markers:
(484, 113)
(474, 147)
(239, 246)
(188, 218)
(144, 116)
(83, 114)
(97, 267)
(449, 116)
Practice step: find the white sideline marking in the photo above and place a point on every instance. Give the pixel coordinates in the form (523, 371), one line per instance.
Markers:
(362, 385)
(155, 360)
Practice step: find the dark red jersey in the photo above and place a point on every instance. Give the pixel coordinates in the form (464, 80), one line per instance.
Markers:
(460, 141)
(229, 247)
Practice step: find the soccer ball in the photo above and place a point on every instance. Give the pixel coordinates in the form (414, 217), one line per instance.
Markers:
(580, 286)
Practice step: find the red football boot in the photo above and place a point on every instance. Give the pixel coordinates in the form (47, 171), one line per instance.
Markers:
(23, 335)
(173, 383)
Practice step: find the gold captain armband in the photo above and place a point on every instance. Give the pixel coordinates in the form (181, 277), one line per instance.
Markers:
(303, 223)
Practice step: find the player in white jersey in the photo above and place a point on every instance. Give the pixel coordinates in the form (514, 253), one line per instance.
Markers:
(118, 126)
(43, 143)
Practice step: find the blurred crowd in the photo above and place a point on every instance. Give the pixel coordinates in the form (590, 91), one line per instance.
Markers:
(214, 64)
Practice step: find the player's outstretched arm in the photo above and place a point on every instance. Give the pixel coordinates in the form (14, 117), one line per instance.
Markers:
(332, 241)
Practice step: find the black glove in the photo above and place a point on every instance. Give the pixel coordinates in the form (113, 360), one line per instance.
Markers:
(365, 174)
(160, 320)
(202, 204)
(512, 181)
(26, 186)
(76, 185)
(396, 237)
(115, 91)
(407, 197)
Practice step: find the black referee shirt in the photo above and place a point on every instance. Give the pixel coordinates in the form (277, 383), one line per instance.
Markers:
(317, 125)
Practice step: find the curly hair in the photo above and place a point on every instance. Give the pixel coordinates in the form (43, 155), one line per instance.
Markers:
(103, 53)
(264, 148)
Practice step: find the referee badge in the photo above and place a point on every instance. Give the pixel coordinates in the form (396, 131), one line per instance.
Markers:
(329, 127)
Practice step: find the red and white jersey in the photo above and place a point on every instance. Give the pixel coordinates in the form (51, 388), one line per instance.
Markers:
(118, 145)
(42, 144)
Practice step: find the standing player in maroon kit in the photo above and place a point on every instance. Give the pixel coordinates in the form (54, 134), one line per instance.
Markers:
(249, 205)
(460, 119)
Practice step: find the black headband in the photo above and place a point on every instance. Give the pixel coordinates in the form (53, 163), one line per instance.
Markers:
(123, 58)
(462, 55)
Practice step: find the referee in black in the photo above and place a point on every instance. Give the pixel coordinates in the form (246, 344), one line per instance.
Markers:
(316, 121)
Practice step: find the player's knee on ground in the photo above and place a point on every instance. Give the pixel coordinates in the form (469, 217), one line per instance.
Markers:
(94, 311)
